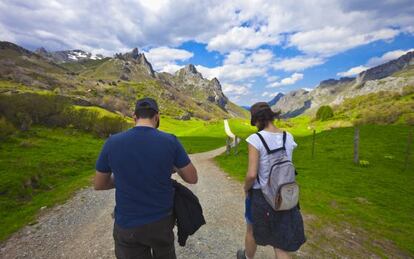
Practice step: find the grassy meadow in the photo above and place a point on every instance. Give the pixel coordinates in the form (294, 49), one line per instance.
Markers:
(375, 197)
(46, 165)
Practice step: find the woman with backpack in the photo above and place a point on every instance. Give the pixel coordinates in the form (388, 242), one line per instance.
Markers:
(272, 211)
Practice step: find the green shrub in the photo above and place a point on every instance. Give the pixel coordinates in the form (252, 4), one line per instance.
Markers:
(6, 128)
(26, 109)
(324, 113)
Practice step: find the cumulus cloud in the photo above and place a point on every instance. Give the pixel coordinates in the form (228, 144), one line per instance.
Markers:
(237, 30)
(329, 40)
(165, 58)
(353, 71)
(375, 61)
(241, 38)
(239, 66)
(233, 89)
(298, 63)
(287, 80)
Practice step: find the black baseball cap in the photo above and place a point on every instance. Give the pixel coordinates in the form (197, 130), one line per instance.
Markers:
(146, 103)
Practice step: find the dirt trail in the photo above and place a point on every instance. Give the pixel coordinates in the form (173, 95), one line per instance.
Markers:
(82, 227)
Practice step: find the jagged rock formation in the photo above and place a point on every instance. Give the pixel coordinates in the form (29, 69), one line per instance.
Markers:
(275, 99)
(130, 60)
(386, 69)
(335, 91)
(192, 81)
(115, 83)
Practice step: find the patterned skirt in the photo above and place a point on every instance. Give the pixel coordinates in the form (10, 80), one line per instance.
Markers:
(280, 229)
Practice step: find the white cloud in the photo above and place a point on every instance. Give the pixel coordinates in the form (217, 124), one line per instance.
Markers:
(164, 58)
(241, 38)
(329, 40)
(307, 89)
(353, 71)
(375, 61)
(240, 66)
(298, 63)
(233, 89)
(287, 80)
(271, 78)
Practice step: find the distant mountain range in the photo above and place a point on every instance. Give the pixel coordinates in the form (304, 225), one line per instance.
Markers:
(114, 83)
(391, 76)
(67, 55)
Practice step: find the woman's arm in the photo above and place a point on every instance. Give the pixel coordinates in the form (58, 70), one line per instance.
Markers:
(252, 168)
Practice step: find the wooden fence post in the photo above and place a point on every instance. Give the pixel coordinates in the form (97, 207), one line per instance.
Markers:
(313, 144)
(236, 143)
(228, 145)
(408, 151)
(356, 145)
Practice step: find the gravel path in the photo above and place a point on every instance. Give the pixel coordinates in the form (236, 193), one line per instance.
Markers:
(82, 227)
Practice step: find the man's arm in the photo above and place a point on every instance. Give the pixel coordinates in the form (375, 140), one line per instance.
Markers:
(188, 173)
(104, 181)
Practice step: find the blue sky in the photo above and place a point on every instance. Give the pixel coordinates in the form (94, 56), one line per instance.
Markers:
(256, 48)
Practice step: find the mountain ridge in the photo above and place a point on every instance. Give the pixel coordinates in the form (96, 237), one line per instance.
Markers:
(335, 91)
(115, 83)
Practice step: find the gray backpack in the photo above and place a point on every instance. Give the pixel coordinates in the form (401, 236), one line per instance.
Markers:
(281, 190)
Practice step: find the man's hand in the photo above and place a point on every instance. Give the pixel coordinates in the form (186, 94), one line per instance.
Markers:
(104, 181)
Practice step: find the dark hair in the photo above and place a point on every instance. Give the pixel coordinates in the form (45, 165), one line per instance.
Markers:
(262, 118)
(145, 113)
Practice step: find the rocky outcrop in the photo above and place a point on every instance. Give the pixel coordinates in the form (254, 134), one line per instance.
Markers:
(386, 69)
(131, 59)
(334, 82)
(275, 99)
(335, 91)
(189, 72)
(293, 103)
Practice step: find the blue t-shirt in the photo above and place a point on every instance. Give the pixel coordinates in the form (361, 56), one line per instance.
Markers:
(142, 161)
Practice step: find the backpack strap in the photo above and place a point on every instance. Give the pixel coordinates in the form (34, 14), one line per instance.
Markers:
(267, 147)
(264, 142)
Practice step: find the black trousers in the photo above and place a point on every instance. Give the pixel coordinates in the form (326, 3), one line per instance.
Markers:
(150, 241)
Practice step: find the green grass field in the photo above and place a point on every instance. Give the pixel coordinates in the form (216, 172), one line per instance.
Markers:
(376, 198)
(39, 168)
(45, 166)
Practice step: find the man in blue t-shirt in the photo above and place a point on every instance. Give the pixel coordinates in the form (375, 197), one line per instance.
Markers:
(138, 163)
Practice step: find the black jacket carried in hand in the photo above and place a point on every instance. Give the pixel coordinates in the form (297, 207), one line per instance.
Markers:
(187, 211)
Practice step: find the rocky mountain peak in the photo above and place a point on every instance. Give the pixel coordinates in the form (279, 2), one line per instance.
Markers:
(332, 82)
(142, 60)
(4, 45)
(135, 53)
(41, 51)
(189, 71)
(275, 99)
(386, 69)
(216, 83)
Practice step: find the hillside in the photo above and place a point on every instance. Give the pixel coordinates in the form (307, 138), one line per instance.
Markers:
(114, 83)
(392, 76)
